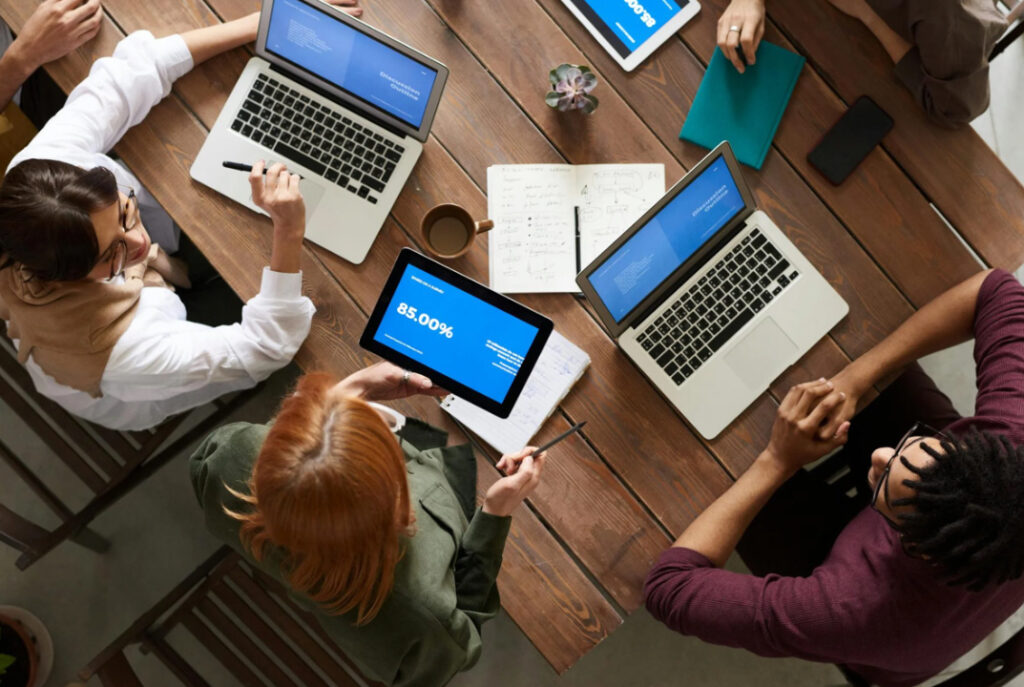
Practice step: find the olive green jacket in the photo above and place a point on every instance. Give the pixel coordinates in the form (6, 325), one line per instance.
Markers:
(445, 584)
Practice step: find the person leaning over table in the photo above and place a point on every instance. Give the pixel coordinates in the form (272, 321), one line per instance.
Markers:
(368, 517)
(85, 291)
(940, 47)
(898, 591)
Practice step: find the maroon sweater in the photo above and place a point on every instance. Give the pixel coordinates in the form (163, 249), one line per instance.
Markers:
(868, 605)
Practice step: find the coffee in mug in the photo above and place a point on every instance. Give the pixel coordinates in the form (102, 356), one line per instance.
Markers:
(449, 230)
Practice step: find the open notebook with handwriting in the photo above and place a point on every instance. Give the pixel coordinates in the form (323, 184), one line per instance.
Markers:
(559, 366)
(551, 221)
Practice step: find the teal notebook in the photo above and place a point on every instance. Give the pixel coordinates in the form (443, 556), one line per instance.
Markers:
(744, 109)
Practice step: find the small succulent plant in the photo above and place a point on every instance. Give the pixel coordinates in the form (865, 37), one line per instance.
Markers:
(571, 86)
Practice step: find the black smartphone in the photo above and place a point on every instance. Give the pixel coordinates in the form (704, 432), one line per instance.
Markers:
(850, 140)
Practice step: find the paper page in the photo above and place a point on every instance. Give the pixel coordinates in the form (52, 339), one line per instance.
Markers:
(533, 244)
(559, 366)
(612, 197)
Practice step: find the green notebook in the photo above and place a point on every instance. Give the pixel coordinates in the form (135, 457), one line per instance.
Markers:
(744, 109)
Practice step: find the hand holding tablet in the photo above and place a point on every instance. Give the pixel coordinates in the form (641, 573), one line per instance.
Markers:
(473, 341)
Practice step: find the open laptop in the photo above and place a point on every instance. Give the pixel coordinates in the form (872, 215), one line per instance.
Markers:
(338, 102)
(708, 297)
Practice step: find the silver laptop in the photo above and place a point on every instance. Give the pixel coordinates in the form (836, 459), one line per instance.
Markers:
(708, 297)
(338, 102)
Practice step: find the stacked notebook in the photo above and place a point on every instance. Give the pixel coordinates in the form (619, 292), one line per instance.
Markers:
(559, 366)
(743, 109)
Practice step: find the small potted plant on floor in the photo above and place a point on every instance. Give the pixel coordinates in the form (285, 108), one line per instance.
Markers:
(18, 656)
(571, 85)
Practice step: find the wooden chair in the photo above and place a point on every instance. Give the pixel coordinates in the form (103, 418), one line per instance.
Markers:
(108, 463)
(1016, 12)
(244, 619)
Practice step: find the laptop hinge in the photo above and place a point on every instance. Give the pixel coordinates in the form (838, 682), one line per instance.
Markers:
(391, 128)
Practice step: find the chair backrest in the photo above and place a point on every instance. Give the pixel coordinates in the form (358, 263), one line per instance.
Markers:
(107, 464)
(243, 621)
(1015, 14)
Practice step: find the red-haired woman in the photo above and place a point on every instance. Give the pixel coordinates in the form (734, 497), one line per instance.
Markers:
(369, 518)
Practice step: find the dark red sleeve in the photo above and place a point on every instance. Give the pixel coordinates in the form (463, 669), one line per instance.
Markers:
(806, 617)
(999, 357)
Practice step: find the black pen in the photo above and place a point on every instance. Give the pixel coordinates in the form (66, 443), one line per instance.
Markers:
(242, 167)
(545, 447)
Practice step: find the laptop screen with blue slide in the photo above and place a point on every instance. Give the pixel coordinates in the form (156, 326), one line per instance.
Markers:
(627, 24)
(659, 247)
(355, 62)
(470, 340)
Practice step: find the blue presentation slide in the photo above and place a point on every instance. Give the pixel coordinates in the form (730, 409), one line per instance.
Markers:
(667, 240)
(455, 333)
(334, 51)
(631, 22)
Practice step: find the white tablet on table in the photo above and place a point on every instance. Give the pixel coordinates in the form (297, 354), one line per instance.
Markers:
(630, 30)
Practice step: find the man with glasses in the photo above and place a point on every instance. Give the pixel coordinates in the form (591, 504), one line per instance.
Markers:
(924, 560)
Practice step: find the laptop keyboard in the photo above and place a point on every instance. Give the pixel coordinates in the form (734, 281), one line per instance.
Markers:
(322, 139)
(691, 329)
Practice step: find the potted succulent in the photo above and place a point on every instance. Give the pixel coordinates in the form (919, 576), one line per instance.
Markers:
(18, 656)
(571, 85)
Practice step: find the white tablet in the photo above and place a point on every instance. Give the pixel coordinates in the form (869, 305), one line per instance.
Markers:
(630, 30)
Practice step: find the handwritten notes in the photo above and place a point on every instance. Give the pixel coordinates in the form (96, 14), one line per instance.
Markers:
(534, 247)
(559, 366)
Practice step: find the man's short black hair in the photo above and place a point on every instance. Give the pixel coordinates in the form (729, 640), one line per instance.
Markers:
(968, 510)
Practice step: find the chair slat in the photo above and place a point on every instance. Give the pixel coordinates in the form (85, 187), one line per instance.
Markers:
(19, 530)
(271, 640)
(205, 636)
(34, 483)
(117, 672)
(295, 632)
(242, 642)
(177, 665)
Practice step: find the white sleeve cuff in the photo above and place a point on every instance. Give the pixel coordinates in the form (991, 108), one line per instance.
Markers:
(281, 285)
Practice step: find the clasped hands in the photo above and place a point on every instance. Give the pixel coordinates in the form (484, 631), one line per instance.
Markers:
(813, 420)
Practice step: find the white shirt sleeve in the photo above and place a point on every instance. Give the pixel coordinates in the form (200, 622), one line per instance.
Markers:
(117, 94)
(178, 365)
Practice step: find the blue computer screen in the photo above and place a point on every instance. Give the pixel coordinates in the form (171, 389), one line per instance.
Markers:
(627, 24)
(455, 333)
(353, 61)
(640, 265)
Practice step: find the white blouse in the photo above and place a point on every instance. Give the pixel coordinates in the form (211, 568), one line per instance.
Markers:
(162, 364)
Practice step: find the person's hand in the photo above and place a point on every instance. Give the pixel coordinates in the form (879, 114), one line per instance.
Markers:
(347, 6)
(851, 383)
(173, 270)
(54, 29)
(795, 438)
(858, 9)
(386, 382)
(522, 472)
(748, 15)
(278, 193)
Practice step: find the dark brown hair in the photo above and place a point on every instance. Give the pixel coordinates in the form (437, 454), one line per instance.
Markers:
(44, 217)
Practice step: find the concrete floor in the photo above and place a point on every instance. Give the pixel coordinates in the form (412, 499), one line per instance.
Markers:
(158, 537)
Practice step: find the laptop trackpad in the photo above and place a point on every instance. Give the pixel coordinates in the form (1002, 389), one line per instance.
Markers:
(312, 192)
(761, 355)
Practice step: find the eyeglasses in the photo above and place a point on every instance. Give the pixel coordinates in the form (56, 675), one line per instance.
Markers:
(129, 219)
(918, 432)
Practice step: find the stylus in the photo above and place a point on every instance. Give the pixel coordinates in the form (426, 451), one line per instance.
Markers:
(242, 167)
(545, 447)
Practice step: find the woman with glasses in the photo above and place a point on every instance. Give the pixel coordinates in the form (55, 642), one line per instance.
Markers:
(107, 323)
(369, 519)
(908, 571)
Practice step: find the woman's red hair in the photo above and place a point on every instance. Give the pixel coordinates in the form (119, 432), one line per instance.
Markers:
(329, 487)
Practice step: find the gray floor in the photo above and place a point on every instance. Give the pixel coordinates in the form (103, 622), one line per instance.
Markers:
(158, 537)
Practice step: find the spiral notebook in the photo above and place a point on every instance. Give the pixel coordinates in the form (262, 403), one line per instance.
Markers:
(559, 367)
(744, 109)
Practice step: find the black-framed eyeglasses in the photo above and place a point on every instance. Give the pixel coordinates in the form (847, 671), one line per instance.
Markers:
(914, 435)
(129, 219)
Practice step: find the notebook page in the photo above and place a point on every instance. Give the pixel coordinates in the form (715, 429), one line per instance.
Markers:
(560, 364)
(612, 197)
(532, 246)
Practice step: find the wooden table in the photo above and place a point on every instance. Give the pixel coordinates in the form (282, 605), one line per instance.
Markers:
(613, 498)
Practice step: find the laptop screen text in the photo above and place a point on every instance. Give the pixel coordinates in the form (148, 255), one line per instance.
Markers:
(372, 71)
(667, 240)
